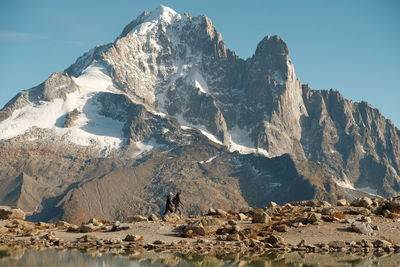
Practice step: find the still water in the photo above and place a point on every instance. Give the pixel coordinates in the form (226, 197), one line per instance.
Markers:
(53, 257)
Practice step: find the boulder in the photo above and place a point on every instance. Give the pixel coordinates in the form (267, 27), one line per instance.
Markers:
(204, 226)
(133, 238)
(88, 238)
(9, 213)
(342, 203)
(328, 211)
(137, 218)
(281, 228)
(393, 206)
(221, 212)
(62, 225)
(211, 211)
(261, 217)
(88, 228)
(242, 217)
(358, 211)
(210, 221)
(364, 202)
(362, 228)
(153, 218)
(275, 240)
(195, 228)
(271, 204)
(233, 237)
(313, 217)
(171, 218)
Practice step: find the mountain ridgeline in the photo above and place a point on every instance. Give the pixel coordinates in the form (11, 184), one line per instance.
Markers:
(168, 107)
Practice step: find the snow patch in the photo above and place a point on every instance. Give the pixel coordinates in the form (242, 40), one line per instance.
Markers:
(90, 128)
(200, 83)
(211, 137)
(201, 128)
(151, 21)
(345, 184)
(241, 142)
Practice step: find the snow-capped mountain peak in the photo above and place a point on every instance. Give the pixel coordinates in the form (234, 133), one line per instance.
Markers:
(150, 21)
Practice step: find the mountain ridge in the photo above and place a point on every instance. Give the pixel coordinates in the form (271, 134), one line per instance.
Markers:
(169, 82)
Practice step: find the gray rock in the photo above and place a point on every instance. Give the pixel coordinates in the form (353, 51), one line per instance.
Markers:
(362, 228)
(364, 202)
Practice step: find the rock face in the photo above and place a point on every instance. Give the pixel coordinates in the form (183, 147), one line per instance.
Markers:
(168, 107)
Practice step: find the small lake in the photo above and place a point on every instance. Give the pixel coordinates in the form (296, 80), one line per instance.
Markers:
(61, 258)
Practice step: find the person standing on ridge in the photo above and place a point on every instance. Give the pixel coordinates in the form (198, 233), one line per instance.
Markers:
(178, 203)
(169, 206)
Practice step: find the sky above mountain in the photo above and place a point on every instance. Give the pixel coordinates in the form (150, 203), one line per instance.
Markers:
(351, 46)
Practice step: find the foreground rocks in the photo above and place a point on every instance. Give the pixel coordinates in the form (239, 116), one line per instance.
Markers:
(305, 226)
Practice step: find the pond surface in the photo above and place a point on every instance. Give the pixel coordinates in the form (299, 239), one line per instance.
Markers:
(60, 258)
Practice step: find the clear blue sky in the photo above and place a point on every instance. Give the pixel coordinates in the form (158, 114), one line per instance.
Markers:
(351, 46)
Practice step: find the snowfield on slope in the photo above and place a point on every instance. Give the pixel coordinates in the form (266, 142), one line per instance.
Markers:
(90, 129)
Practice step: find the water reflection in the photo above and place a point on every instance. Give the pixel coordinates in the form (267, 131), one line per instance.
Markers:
(60, 258)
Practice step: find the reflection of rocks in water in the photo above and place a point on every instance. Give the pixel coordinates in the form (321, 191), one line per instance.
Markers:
(52, 257)
(11, 253)
(272, 259)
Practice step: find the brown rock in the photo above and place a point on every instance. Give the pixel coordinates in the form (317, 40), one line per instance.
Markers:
(87, 228)
(281, 228)
(171, 218)
(233, 237)
(342, 202)
(314, 217)
(337, 244)
(275, 240)
(382, 244)
(133, 238)
(153, 218)
(137, 218)
(261, 217)
(221, 212)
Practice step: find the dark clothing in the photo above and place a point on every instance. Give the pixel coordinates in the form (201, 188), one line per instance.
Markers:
(177, 203)
(169, 206)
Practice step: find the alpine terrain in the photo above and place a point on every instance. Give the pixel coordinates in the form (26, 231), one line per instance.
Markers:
(167, 107)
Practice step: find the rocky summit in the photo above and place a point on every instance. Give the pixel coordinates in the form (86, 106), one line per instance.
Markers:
(167, 107)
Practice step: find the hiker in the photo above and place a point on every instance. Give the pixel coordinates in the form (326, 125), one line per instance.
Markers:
(169, 206)
(178, 203)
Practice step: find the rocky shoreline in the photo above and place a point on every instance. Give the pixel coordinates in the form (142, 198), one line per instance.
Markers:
(360, 227)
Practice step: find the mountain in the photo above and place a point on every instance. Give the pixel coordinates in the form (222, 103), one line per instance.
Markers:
(168, 107)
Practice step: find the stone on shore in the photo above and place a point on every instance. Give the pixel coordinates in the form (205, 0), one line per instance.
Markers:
(362, 228)
(133, 238)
